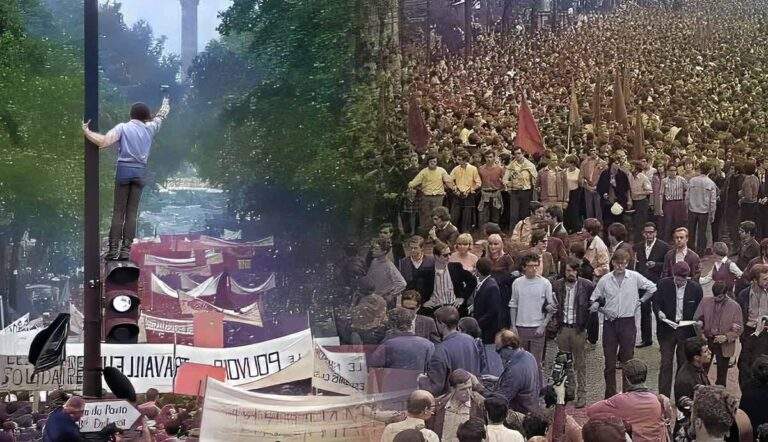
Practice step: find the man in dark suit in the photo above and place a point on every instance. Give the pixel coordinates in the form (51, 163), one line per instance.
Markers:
(572, 294)
(415, 259)
(681, 252)
(486, 306)
(447, 283)
(750, 248)
(676, 299)
(649, 257)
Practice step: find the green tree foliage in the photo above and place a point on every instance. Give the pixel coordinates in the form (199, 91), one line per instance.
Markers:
(307, 139)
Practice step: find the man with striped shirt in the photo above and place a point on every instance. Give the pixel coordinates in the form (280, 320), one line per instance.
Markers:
(673, 190)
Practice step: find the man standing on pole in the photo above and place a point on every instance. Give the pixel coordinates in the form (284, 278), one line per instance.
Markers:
(619, 292)
(134, 140)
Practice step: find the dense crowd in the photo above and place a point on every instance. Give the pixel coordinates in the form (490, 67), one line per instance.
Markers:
(653, 121)
(169, 418)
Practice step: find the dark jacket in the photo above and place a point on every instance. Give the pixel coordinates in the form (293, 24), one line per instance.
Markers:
(657, 255)
(447, 234)
(665, 300)
(403, 350)
(458, 350)
(519, 382)
(464, 283)
(405, 266)
(427, 328)
(686, 380)
(691, 258)
(61, 428)
(753, 403)
(487, 309)
(581, 305)
(621, 189)
(748, 252)
(743, 299)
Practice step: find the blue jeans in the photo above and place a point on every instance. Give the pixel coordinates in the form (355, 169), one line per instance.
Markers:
(129, 183)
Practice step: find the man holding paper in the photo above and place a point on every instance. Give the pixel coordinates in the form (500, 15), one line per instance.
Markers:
(675, 304)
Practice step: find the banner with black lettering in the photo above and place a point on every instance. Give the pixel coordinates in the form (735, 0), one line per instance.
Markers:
(339, 371)
(263, 364)
(234, 415)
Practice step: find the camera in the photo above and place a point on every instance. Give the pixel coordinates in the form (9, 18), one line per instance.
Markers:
(563, 363)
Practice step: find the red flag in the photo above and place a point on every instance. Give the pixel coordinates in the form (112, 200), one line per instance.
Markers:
(528, 135)
(638, 150)
(418, 133)
(619, 105)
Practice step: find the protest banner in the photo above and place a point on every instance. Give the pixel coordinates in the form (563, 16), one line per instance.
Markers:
(263, 364)
(338, 371)
(97, 415)
(232, 415)
(165, 325)
(17, 325)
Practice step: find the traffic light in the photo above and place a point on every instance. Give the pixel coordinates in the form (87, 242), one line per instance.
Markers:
(121, 303)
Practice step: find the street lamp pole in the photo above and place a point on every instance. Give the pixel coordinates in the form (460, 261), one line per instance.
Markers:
(91, 246)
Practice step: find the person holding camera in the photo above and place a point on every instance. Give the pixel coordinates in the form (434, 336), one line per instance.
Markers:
(572, 294)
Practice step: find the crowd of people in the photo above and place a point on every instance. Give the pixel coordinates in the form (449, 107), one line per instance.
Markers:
(170, 418)
(502, 251)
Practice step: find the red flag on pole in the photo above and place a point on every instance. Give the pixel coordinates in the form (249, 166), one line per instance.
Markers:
(418, 133)
(528, 135)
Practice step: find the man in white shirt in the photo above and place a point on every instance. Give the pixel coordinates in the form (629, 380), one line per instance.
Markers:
(421, 407)
(616, 296)
(531, 307)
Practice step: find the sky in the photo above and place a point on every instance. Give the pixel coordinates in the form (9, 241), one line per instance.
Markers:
(164, 16)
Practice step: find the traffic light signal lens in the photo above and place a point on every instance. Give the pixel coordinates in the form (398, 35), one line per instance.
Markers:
(122, 303)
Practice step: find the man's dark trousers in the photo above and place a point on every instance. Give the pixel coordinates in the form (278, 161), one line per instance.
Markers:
(618, 336)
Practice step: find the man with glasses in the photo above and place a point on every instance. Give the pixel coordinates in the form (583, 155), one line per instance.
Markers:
(616, 296)
(447, 283)
(531, 306)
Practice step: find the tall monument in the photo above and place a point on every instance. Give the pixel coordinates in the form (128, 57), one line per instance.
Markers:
(188, 34)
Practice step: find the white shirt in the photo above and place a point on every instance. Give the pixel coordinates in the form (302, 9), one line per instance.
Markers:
(680, 256)
(500, 433)
(417, 264)
(391, 430)
(648, 248)
(733, 268)
(679, 296)
(621, 294)
(569, 312)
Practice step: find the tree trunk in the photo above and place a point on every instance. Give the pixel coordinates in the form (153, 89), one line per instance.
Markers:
(468, 27)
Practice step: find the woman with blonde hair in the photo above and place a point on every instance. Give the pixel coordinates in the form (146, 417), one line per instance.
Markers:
(462, 254)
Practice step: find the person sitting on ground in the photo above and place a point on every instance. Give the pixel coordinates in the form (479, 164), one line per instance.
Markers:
(712, 413)
(692, 372)
(753, 397)
(473, 430)
(62, 425)
(458, 405)
(643, 409)
(420, 408)
(604, 430)
(496, 409)
(520, 379)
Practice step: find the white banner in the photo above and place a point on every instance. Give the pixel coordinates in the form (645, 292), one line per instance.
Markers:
(285, 359)
(233, 415)
(165, 325)
(17, 325)
(339, 372)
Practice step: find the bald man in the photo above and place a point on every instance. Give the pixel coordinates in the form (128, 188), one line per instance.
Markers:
(62, 424)
(420, 408)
